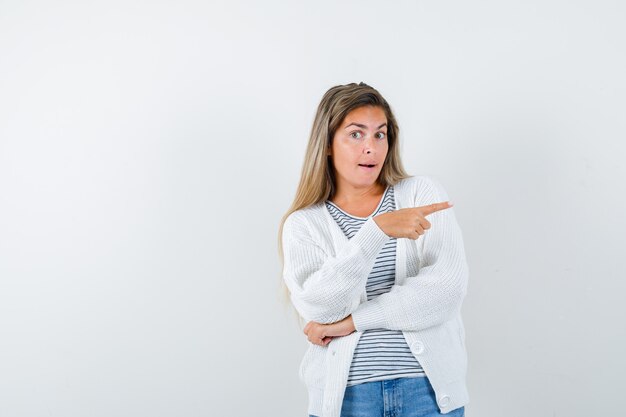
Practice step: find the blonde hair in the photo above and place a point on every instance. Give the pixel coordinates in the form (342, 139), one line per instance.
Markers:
(317, 179)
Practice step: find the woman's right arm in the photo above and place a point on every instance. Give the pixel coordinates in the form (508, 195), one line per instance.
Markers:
(325, 288)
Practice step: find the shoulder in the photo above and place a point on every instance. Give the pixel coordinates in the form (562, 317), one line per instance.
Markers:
(303, 219)
(306, 214)
(422, 188)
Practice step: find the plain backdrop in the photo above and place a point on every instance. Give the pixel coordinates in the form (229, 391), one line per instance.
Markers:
(148, 150)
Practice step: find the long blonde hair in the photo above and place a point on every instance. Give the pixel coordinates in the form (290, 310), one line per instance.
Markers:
(317, 179)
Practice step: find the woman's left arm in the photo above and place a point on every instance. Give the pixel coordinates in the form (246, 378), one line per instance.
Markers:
(436, 293)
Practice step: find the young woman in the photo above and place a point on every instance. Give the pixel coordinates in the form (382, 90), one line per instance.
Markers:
(373, 261)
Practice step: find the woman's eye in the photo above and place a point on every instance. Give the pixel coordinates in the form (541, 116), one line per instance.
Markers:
(356, 133)
(382, 135)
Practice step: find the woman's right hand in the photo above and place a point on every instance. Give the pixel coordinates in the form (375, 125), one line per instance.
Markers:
(409, 222)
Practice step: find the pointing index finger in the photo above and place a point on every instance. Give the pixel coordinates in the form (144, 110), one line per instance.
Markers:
(431, 208)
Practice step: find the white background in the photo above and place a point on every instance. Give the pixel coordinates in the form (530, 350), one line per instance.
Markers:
(148, 150)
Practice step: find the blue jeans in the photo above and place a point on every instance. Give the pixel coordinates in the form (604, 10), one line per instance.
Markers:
(400, 397)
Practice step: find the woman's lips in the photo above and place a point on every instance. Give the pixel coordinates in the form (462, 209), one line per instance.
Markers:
(368, 167)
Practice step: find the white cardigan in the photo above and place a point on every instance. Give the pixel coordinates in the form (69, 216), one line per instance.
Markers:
(326, 274)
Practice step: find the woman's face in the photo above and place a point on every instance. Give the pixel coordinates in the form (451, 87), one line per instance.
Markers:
(360, 140)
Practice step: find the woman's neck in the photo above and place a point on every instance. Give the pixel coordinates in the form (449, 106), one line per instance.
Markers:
(349, 196)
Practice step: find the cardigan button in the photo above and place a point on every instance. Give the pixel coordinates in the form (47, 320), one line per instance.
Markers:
(417, 347)
(444, 401)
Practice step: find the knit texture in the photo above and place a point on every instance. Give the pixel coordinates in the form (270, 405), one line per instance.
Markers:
(380, 354)
(326, 274)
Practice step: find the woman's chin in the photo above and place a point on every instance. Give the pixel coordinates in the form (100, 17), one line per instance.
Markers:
(364, 182)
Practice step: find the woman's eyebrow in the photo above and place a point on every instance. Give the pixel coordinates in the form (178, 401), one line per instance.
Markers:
(363, 126)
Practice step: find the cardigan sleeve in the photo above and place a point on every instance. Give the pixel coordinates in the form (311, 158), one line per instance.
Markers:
(436, 293)
(326, 288)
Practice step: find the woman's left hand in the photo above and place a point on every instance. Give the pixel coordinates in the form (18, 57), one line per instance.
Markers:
(322, 334)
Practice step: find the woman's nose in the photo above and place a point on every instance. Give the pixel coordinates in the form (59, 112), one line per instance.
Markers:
(368, 145)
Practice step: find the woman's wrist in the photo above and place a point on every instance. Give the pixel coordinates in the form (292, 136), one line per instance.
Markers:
(344, 327)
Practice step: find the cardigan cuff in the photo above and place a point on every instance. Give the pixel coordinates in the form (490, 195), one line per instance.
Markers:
(370, 238)
(368, 315)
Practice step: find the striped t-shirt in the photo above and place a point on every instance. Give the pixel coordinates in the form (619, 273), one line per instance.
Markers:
(381, 353)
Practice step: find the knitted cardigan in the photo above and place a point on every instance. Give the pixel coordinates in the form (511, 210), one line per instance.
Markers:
(326, 274)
